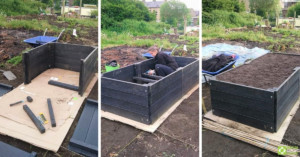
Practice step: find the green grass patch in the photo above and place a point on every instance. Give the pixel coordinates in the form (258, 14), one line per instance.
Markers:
(150, 42)
(15, 60)
(230, 19)
(76, 21)
(219, 32)
(190, 39)
(39, 25)
(139, 28)
(287, 32)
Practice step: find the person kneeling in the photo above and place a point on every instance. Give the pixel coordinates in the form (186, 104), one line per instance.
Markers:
(164, 64)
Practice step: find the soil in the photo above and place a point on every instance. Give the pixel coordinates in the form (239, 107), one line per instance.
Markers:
(124, 55)
(266, 72)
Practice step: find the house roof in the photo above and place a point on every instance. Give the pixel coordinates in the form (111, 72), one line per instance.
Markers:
(154, 4)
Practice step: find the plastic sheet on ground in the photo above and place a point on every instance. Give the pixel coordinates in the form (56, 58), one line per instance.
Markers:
(244, 53)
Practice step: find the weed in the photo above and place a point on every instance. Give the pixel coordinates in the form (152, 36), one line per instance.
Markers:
(270, 47)
(15, 60)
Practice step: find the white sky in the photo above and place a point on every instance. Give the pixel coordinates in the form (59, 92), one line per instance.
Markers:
(195, 4)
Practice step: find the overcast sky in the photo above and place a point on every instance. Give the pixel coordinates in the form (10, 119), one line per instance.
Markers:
(195, 4)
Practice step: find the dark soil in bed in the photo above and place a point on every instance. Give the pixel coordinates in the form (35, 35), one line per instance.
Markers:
(266, 72)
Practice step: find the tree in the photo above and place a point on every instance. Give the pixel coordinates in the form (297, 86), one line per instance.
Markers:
(48, 2)
(174, 12)
(228, 5)
(113, 11)
(264, 7)
(77, 2)
(292, 9)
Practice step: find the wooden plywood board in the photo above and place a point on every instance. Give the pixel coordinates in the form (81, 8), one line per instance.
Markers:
(15, 122)
(149, 128)
(278, 136)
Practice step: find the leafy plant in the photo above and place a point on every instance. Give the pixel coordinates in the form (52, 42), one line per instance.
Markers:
(15, 60)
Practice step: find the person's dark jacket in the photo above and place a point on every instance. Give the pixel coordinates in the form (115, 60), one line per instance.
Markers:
(164, 59)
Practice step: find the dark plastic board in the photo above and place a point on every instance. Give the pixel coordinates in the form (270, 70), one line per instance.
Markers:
(145, 103)
(5, 89)
(7, 150)
(85, 138)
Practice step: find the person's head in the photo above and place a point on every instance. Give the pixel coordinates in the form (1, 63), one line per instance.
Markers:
(153, 50)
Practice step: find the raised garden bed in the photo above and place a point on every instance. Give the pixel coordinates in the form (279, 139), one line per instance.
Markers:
(77, 58)
(146, 99)
(260, 93)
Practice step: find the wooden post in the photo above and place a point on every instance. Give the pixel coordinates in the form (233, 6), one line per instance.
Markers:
(80, 9)
(294, 19)
(277, 19)
(267, 22)
(185, 23)
(63, 4)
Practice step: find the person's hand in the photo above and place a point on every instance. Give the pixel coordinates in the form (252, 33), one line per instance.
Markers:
(151, 72)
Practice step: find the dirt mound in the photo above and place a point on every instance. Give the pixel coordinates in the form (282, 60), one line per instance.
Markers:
(124, 55)
(11, 43)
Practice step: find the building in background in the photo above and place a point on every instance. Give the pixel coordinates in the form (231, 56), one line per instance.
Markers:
(194, 17)
(86, 10)
(285, 4)
(69, 3)
(154, 6)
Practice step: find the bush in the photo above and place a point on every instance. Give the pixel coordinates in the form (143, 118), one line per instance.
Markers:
(138, 28)
(227, 5)
(114, 11)
(18, 7)
(229, 19)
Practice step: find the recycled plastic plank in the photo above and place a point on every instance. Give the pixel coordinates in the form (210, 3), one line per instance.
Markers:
(145, 103)
(4, 88)
(7, 150)
(85, 138)
(145, 127)
(276, 136)
(15, 122)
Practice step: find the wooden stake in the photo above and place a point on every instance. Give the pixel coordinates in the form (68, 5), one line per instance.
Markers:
(294, 19)
(80, 9)
(63, 12)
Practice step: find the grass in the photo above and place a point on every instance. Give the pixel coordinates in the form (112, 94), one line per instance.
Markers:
(230, 19)
(41, 25)
(75, 21)
(138, 28)
(123, 33)
(112, 39)
(218, 32)
(190, 39)
(15, 60)
(287, 32)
